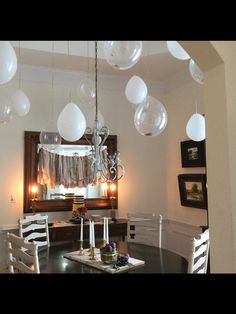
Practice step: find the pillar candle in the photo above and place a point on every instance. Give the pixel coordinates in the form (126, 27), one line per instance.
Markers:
(81, 229)
(107, 234)
(90, 233)
(93, 233)
(104, 229)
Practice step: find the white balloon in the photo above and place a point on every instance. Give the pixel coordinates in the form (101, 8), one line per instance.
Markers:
(122, 55)
(150, 117)
(5, 109)
(177, 51)
(8, 62)
(20, 103)
(136, 90)
(196, 72)
(86, 91)
(195, 128)
(91, 117)
(71, 123)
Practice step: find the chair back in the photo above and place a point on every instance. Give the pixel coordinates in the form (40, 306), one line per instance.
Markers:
(35, 228)
(22, 256)
(145, 228)
(199, 253)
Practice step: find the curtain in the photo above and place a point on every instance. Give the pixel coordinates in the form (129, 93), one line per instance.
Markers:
(71, 171)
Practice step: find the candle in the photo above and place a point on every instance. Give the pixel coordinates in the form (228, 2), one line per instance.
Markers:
(81, 229)
(93, 233)
(107, 235)
(104, 229)
(90, 233)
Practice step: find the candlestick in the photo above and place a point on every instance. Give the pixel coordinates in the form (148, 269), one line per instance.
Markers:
(81, 251)
(81, 229)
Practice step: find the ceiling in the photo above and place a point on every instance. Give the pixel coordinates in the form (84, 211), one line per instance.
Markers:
(156, 62)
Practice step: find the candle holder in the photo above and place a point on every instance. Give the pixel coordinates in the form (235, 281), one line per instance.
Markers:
(93, 255)
(81, 250)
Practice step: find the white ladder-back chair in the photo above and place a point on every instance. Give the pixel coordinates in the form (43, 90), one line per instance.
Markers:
(35, 228)
(145, 229)
(199, 253)
(22, 256)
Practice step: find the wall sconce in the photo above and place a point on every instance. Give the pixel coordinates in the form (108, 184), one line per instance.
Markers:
(112, 198)
(34, 190)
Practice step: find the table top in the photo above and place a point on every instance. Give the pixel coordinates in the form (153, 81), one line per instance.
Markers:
(157, 260)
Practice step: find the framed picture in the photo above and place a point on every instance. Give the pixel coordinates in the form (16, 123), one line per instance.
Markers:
(193, 154)
(192, 189)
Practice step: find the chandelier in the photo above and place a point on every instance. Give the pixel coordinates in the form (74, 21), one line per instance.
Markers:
(104, 168)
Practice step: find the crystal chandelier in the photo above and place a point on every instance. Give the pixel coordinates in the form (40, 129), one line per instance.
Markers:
(104, 168)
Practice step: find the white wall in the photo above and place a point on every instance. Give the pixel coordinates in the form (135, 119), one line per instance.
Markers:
(180, 103)
(142, 188)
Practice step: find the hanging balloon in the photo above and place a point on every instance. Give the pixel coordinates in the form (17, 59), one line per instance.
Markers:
(136, 90)
(8, 62)
(20, 103)
(195, 128)
(150, 118)
(122, 55)
(196, 72)
(50, 140)
(91, 117)
(177, 51)
(71, 123)
(5, 109)
(86, 91)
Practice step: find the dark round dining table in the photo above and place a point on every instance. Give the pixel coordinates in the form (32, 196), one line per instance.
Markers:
(157, 260)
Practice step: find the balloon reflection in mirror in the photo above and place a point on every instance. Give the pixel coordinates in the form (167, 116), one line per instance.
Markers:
(150, 118)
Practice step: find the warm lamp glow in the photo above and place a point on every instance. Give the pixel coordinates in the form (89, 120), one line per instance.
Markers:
(112, 187)
(34, 190)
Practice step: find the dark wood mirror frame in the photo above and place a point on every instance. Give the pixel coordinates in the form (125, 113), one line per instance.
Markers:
(31, 140)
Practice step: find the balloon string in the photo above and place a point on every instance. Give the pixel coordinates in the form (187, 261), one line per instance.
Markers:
(196, 105)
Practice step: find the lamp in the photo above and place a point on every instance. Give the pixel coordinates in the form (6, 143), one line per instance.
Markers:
(104, 168)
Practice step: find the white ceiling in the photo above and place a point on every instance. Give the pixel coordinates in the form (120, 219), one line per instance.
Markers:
(156, 62)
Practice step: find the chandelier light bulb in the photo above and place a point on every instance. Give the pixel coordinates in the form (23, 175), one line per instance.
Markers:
(150, 118)
(195, 128)
(20, 103)
(8, 62)
(123, 55)
(136, 90)
(177, 51)
(196, 72)
(71, 123)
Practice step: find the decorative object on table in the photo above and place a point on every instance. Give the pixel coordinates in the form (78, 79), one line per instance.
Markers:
(193, 154)
(98, 264)
(109, 253)
(193, 192)
(79, 209)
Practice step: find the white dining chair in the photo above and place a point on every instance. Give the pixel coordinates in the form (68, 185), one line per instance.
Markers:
(198, 258)
(22, 255)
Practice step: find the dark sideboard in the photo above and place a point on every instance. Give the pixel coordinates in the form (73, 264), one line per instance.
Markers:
(69, 231)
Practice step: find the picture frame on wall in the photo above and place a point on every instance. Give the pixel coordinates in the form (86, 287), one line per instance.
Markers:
(193, 154)
(192, 189)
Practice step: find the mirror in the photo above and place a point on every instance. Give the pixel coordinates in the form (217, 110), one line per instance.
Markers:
(95, 197)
